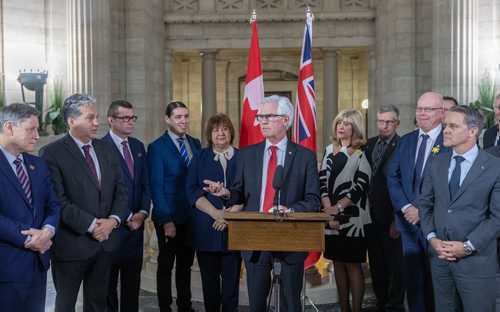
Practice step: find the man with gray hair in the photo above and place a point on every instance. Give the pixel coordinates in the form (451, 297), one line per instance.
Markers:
(253, 187)
(29, 212)
(88, 182)
(383, 239)
(460, 216)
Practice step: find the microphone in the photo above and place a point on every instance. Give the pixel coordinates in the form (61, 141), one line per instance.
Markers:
(277, 184)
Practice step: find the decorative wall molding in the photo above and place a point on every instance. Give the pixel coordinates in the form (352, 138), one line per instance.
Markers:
(185, 5)
(355, 4)
(231, 5)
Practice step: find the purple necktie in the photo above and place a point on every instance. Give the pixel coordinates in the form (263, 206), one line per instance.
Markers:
(128, 158)
(90, 161)
(23, 178)
(419, 166)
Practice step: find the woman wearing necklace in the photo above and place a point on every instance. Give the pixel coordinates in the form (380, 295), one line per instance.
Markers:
(219, 267)
(344, 180)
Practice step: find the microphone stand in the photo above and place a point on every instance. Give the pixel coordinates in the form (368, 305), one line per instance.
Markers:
(277, 262)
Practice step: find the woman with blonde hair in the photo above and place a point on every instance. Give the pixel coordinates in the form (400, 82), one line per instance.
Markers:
(344, 180)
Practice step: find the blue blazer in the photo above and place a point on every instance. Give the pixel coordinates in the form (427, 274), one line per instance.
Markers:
(139, 197)
(17, 214)
(201, 235)
(401, 173)
(167, 180)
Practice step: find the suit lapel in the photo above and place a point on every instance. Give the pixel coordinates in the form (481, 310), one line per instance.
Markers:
(411, 151)
(74, 151)
(137, 156)
(6, 169)
(388, 151)
(259, 163)
(441, 183)
(172, 147)
(478, 167)
(291, 149)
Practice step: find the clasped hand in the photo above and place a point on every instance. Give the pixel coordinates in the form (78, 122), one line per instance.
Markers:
(40, 239)
(103, 228)
(447, 250)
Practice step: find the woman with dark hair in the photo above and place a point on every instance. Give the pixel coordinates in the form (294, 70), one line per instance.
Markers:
(168, 159)
(207, 227)
(344, 180)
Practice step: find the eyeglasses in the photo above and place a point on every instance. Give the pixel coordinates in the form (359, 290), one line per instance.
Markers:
(268, 117)
(126, 118)
(386, 122)
(426, 110)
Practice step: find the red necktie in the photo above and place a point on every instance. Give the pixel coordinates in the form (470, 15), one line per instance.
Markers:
(271, 168)
(128, 158)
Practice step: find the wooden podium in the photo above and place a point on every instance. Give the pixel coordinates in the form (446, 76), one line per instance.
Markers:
(296, 231)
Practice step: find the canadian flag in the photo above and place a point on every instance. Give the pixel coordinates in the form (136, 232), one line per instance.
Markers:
(254, 93)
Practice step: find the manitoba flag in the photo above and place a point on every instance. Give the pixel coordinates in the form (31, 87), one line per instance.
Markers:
(254, 93)
(304, 132)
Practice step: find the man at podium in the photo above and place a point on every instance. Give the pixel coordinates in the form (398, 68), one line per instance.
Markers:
(255, 177)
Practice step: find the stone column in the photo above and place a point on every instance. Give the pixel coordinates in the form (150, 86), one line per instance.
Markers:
(89, 50)
(208, 85)
(169, 70)
(455, 41)
(372, 93)
(330, 93)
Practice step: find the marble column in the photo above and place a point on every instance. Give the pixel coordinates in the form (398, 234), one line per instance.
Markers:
(372, 94)
(455, 41)
(330, 93)
(169, 69)
(208, 87)
(89, 50)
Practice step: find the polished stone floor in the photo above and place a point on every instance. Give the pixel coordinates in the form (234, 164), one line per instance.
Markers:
(148, 302)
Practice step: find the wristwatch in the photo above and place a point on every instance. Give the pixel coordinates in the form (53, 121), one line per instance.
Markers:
(468, 249)
(339, 206)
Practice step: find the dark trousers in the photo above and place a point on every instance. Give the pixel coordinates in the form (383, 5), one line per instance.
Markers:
(259, 283)
(26, 296)
(68, 276)
(386, 267)
(216, 268)
(419, 290)
(174, 250)
(127, 264)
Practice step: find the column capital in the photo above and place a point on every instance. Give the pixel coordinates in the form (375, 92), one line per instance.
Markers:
(330, 52)
(208, 53)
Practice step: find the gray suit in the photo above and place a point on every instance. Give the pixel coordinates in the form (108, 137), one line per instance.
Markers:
(472, 214)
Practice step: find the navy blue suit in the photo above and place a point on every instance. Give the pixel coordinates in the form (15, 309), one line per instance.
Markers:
(167, 181)
(127, 260)
(400, 177)
(23, 273)
(216, 262)
(490, 136)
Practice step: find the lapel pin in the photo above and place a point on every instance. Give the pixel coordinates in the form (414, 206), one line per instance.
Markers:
(482, 168)
(32, 167)
(139, 155)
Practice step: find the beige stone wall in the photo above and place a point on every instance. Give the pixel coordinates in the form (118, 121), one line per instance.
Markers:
(231, 66)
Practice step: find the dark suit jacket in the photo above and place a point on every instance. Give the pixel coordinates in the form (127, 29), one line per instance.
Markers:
(16, 214)
(167, 180)
(82, 199)
(472, 214)
(300, 190)
(401, 173)
(139, 197)
(490, 136)
(381, 209)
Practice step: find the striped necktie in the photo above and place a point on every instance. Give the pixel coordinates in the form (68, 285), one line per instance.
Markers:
(419, 166)
(183, 150)
(23, 178)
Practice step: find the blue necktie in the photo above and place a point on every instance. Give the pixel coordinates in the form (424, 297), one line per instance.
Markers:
(419, 166)
(454, 183)
(183, 150)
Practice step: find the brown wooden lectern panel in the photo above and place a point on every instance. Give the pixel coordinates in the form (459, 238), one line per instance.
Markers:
(297, 231)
